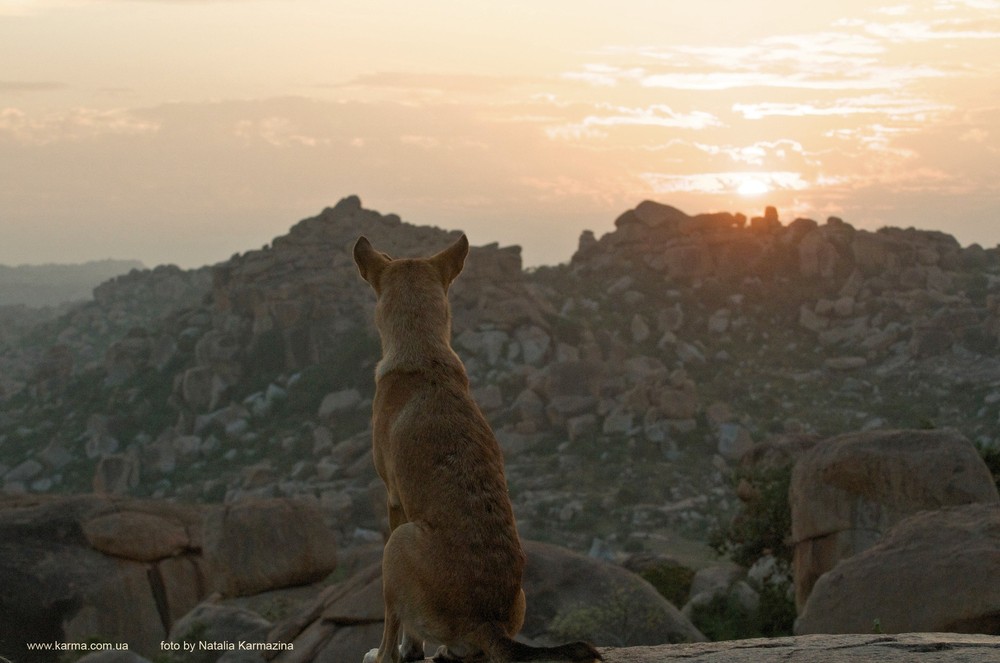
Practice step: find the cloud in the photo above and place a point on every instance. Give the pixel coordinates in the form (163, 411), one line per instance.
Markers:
(757, 153)
(931, 31)
(868, 77)
(880, 104)
(655, 115)
(828, 60)
(276, 131)
(74, 125)
(728, 182)
(603, 75)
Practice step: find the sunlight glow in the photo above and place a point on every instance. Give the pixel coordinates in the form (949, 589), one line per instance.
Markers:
(471, 115)
(752, 187)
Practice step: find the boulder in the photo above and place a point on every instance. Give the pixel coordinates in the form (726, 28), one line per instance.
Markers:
(58, 587)
(337, 402)
(220, 625)
(125, 570)
(733, 440)
(709, 583)
(817, 255)
(571, 596)
(144, 537)
(934, 571)
(254, 546)
(849, 490)
(117, 474)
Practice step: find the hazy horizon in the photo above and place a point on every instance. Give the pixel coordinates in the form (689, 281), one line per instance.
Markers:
(184, 131)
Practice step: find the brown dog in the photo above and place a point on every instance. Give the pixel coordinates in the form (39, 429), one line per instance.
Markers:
(451, 569)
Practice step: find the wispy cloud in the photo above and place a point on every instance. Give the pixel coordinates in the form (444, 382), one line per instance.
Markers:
(604, 75)
(949, 30)
(70, 126)
(756, 153)
(853, 77)
(728, 182)
(879, 104)
(656, 115)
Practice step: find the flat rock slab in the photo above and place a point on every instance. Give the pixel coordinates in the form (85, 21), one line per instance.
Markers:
(898, 648)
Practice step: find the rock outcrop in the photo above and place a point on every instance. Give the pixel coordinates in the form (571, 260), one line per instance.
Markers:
(848, 491)
(904, 648)
(623, 386)
(934, 571)
(125, 570)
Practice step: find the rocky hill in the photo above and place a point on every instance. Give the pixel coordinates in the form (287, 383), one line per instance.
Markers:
(625, 386)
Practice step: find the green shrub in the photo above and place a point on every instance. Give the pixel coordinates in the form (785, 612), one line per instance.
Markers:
(725, 618)
(614, 622)
(672, 581)
(776, 615)
(764, 524)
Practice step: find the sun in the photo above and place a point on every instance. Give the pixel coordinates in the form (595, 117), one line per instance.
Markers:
(751, 186)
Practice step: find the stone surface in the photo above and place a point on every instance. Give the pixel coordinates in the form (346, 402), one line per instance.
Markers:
(210, 622)
(934, 571)
(903, 648)
(259, 545)
(849, 490)
(124, 570)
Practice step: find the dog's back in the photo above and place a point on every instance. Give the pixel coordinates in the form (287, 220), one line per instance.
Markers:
(453, 563)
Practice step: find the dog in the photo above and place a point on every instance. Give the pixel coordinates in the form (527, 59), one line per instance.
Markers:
(453, 562)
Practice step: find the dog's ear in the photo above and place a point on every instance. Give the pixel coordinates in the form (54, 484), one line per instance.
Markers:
(370, 262)
(450, 262)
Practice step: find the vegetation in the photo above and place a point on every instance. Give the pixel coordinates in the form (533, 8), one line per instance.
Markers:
(615, 622)
(725, 618)
(764, 524)
(763, 527)
(672, 581)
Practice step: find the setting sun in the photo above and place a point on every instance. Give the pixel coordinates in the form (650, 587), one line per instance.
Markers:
(752, 187)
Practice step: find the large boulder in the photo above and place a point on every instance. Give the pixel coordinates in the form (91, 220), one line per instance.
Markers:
(935, 571)
(254, 546)
(569, 596)
(125, 570)
(226, 627)
(847, 491)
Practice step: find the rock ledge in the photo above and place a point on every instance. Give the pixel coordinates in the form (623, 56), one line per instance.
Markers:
(903, 647)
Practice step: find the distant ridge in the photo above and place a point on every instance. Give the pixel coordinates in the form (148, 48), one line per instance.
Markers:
(54, 284)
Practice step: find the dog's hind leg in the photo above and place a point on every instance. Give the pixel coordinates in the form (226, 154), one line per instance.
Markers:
(388, 651)
(400, 593)
(412, 648)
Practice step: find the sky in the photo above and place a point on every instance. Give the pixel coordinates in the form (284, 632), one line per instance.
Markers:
(184, 131)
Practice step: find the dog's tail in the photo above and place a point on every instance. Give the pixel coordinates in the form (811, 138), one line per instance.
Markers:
(578, 652)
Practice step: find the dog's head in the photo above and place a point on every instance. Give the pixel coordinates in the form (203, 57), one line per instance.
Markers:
(376, 267)
(411, 289)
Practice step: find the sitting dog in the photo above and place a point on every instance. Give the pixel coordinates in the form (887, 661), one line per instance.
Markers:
(452, 566)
